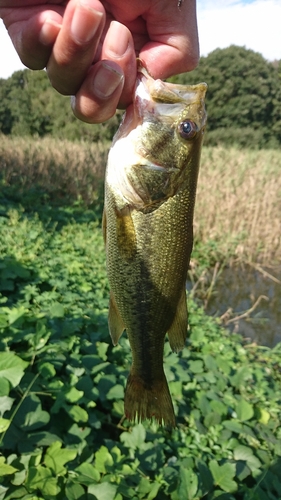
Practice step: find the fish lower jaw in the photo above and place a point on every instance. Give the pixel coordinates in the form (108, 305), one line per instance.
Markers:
(121, 181)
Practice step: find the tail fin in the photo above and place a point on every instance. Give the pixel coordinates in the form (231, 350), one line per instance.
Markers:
(142, 402)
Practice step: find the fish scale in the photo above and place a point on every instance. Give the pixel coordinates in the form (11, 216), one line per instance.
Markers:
(150, 189)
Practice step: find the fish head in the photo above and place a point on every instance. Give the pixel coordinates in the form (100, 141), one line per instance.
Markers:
(156, 149)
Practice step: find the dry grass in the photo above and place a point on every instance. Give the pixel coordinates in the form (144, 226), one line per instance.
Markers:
(60, 167)
(238, 200)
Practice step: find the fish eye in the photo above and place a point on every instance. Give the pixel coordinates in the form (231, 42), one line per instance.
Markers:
(187, 129)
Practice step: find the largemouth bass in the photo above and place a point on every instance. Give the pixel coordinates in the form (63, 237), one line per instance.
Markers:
(150, 188)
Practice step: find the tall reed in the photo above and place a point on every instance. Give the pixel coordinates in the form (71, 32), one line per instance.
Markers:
(58, 166)
(239, 202)
(238, 206)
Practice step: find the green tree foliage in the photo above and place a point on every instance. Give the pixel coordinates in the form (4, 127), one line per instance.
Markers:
(23, 98)
(5, 112)
(29, 106)
(243, 98)
(243, 102)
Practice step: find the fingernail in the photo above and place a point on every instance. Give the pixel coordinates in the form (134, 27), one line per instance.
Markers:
(118, 41)
(85, 22)
(49, 32)
(106, 81)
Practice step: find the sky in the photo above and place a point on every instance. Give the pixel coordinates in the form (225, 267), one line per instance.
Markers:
(255, 24)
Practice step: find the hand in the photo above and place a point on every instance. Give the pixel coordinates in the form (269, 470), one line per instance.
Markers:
(89, 47)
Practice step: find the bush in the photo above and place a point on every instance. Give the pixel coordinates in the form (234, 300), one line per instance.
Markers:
(244, 137)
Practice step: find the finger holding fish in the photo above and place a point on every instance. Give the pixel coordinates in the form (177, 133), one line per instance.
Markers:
(111, 79)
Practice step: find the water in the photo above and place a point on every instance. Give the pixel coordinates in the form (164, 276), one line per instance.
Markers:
(253, 295)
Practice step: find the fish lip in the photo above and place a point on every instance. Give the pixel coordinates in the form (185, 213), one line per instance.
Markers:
(155, 100)
(167, 92)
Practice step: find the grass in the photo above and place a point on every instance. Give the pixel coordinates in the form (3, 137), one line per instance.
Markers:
(238, 203)
(61, 168)
(238, 209)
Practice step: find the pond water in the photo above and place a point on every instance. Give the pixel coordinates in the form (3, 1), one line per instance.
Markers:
(249, 301)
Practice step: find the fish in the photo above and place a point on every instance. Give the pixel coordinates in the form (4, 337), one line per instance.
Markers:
(150, 187)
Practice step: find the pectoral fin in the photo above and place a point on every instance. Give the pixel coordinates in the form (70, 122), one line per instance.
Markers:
(178, 330)
(126, 235)
(115, 322)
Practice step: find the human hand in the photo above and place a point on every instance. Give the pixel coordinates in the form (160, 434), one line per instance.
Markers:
(89, 47)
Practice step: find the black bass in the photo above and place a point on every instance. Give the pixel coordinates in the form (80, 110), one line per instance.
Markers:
(150, 188)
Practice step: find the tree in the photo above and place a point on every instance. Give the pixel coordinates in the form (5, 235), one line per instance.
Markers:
(30, 106)
(243, 102)
(243, 95)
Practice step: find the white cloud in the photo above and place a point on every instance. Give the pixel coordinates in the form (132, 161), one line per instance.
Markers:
(255, 24)
(9, 59)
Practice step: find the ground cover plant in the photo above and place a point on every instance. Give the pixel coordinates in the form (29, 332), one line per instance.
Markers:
(62, 430)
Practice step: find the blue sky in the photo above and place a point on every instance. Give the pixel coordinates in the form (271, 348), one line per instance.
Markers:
(255, 24)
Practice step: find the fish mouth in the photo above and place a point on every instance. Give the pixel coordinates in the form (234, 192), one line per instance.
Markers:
(141, 169)
(158, 101)
(164, 98)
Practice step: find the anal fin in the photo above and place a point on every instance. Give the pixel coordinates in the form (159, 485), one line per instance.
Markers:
(115, 322)
(177, 332)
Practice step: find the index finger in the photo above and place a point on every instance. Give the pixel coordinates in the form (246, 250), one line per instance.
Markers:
(76, 45)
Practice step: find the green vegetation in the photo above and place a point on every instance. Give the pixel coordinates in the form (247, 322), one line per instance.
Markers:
(243, 99)
(29, 106)
(238, 208)
(61, 168)
(62, 430)
(62, 384)
(243, 103)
